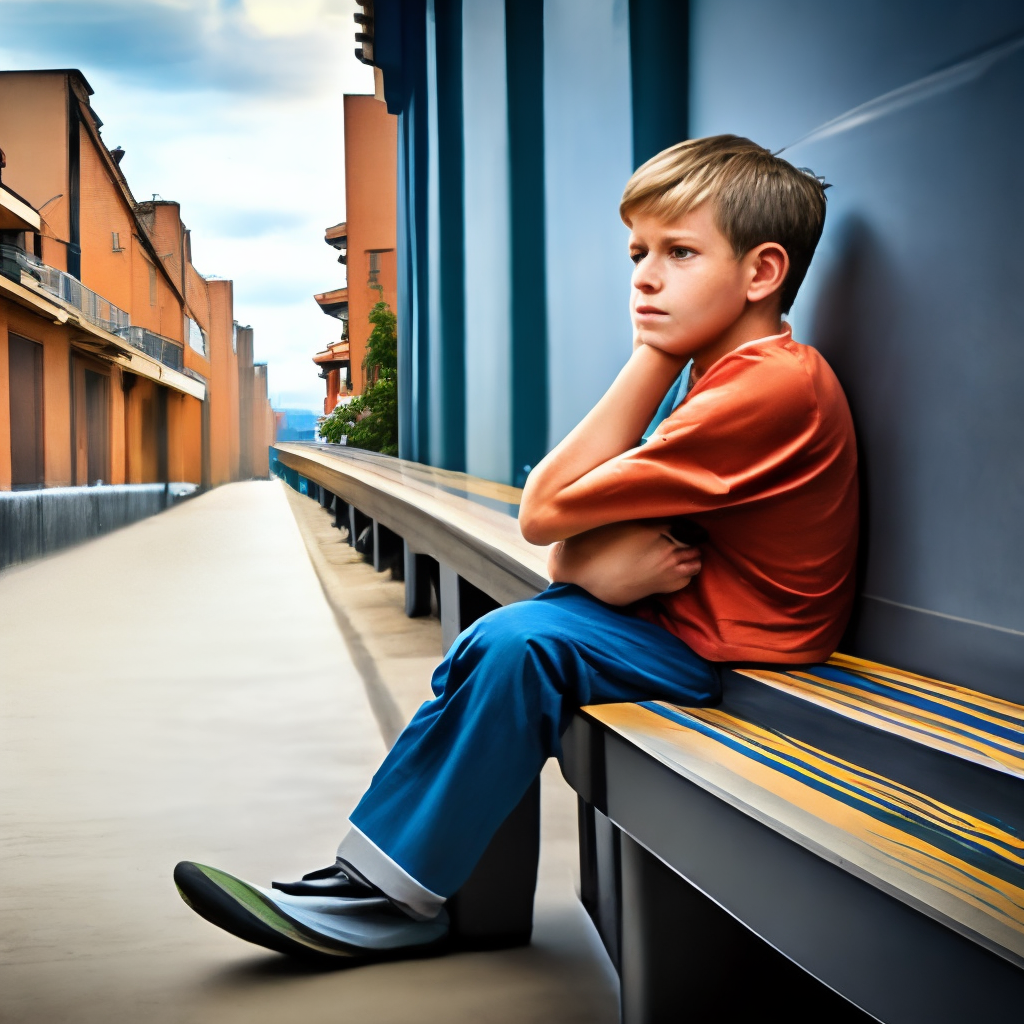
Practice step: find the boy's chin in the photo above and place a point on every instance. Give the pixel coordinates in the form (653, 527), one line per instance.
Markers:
(678, 348)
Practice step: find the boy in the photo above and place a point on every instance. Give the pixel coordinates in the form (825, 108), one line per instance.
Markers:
(757, 447)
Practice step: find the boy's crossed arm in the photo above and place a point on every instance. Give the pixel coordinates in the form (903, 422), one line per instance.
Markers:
(624, 562)
(618, 563)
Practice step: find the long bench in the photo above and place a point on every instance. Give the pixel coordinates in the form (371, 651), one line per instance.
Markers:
(835, 842)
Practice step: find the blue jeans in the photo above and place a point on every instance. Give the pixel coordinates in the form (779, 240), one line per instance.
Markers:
(504, 695)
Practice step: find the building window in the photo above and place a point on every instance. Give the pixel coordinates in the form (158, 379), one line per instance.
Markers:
(115, 241)
(374, 281)
(234, 338)
(196, 336)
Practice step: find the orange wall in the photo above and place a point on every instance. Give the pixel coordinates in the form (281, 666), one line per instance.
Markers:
(197, 297)
(192, 438)
(184, 438)
(56, 407)
(116, 425)
(133, 473)
(223, 386)
(33, 135)
(371, 161)
(103, 210)
(263, 423)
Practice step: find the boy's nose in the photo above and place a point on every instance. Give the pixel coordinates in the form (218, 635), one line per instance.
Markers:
(644, 280)
(646, 276)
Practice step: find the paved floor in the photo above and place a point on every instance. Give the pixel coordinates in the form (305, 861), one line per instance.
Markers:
(180, 689)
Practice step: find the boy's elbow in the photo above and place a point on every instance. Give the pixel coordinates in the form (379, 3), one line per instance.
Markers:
(543, 517)
(537, 528)
(542, 522)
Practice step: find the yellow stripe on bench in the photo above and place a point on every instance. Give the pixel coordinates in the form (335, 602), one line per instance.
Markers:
(950, 718)
(966, 870)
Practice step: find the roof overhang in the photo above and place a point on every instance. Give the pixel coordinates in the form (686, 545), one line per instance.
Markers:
(15, 213)
(334, 303)
(337, 236)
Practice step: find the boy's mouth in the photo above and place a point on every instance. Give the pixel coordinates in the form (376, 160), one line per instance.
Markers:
(649, 311)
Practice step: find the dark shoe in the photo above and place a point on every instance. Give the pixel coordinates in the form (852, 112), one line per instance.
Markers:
(337, 880)
(367, 929)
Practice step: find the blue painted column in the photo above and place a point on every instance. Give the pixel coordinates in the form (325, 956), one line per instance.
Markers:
(588, 158)
(524, 50)
(659, 44)
(488, 300)
(445, 245)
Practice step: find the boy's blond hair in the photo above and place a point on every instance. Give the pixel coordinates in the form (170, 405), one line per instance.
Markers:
(757, 197)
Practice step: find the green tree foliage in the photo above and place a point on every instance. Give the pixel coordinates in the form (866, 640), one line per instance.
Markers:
(370, 420)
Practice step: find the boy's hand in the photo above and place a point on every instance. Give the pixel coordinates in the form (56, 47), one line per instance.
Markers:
(624, 562)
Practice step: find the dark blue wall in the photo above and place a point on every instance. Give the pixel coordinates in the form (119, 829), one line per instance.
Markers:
(915, 295)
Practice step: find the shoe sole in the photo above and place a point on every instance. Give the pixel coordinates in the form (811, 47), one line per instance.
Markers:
(250, 914)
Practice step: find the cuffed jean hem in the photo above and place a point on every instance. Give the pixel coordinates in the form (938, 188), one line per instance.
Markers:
(392, 879)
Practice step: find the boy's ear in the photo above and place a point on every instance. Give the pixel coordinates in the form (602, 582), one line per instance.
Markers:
(768, 265)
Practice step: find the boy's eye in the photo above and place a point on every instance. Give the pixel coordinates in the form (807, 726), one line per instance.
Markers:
(636, 256)
(681, 253)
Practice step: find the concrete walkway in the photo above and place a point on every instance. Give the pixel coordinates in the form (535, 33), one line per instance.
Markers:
(180, 689)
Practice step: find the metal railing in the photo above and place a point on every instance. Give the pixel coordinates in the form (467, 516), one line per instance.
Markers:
(26, 268)
(156, 345)
(18, 264)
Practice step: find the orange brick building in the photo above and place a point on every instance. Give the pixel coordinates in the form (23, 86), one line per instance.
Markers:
(366, 241)
(118, 360)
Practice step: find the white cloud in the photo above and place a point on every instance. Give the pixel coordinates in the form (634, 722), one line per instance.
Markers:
(233, 109)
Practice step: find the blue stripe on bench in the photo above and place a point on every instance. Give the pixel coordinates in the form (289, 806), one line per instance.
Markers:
(939, 715)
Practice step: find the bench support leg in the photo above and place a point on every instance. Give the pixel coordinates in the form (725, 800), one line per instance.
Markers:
(417, 582)
(341, 513)
(600, 876)
(494, 909)
(357, 523)
(683, 958)
(387, 548)
(461, 605)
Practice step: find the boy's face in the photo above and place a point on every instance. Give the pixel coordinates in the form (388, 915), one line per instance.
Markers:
(688, 288)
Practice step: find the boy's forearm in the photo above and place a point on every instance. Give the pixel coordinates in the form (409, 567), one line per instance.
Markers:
(613, 426)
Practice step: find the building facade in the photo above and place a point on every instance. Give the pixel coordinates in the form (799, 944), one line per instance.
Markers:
(366, 242)
(118, 362)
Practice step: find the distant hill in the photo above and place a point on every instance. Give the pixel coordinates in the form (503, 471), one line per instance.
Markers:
(295, 424)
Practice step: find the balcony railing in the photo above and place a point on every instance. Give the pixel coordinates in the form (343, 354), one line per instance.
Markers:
(26, 268)
(156, 345)
(18, 265)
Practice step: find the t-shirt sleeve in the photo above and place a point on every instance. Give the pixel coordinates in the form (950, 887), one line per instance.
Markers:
(735, 440)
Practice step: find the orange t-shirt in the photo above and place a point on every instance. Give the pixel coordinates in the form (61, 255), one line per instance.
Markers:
(762, 454)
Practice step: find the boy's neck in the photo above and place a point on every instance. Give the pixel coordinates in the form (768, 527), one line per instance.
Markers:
(752, 325)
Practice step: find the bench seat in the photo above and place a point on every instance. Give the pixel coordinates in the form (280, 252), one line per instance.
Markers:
(883, 790)
(951, 860)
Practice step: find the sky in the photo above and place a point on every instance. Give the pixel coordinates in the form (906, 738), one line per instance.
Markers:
(232, 108)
